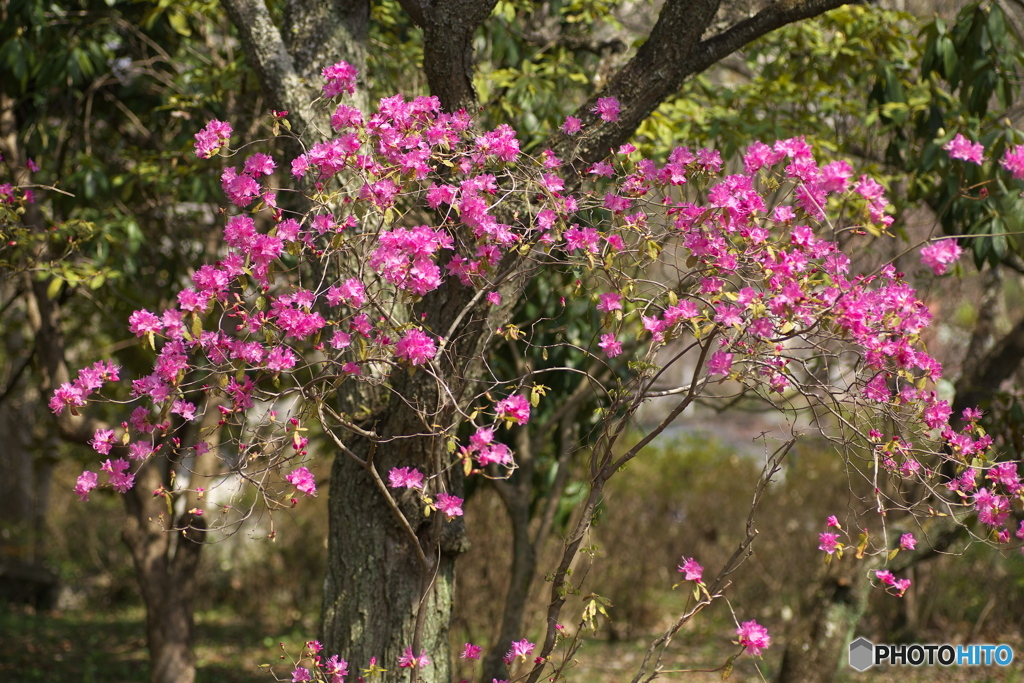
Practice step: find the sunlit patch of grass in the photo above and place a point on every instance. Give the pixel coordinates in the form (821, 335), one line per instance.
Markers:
(109, 646)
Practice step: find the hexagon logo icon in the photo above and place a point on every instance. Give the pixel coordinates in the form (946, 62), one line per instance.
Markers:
(862, 654)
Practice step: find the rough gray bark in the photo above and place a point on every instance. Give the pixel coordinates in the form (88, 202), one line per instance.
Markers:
(288, 60)
(448, 28)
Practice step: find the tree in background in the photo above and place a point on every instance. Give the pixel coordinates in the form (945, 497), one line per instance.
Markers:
(97, 99)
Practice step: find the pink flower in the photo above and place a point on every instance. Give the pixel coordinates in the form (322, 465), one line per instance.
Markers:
(691, 570)
(829, 542)
(610, 345)
(833, 522)
(720, 363)
(610, 301)
(405, 477)
(482, 437)
(1013, 162)
(754, 637)
(336, 668)
(607, 108)
(471, 651)
(142, 321)
(907, 542)
(86, 482)
(520, 648)
(301, 674)
(449, 505)
(120, 478)
(140, 450)
(416, 346)
(339, 78)
(259, 164)
(209, 140)
(103, 440)
(409, 661)
(184, 408)
(962, 148)
(515, 407)
(571, 125)
(303, 480)
(494, 298)
(280, 358)
(340, 340)
(495, 453)
(940, 255)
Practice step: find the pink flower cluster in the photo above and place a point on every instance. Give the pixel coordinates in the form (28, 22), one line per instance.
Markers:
(332, 670)
(339, 78)
(212, 138)
(899, 586)
(940, 255)
(90, 379)
(691, 570)
(302, 479)
(405, 257)
(515, 408)
(962, 148)
(753, 637)
(757, 277)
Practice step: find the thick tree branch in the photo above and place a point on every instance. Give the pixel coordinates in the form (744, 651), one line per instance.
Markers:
(268, 56)
(448, 28)
(673, 52)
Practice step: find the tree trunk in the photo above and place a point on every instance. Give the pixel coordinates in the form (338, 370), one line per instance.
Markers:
(817, 647)
(165, 566)
(375, 586)
(524, 566)
(379, 597)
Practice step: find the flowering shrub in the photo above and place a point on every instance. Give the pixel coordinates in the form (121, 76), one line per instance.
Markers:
(735, 281)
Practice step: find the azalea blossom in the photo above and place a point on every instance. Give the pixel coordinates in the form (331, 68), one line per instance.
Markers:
(607, 108)
(302, 479)
(610, 301)
(86, 483)
(754, 637)
(962, 148)
(610, 345)
(720, 363)
(405, 477)
(449, 505)
(515, 407)
(409, 661)
(520, 648)
(691, 570)
(940, 255)
(829, 542)
(416, 346)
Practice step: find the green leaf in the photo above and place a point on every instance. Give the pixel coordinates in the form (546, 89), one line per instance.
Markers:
(53, 289)
(179, 22)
